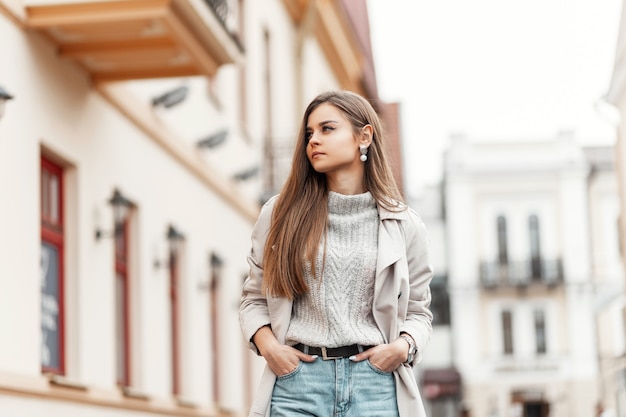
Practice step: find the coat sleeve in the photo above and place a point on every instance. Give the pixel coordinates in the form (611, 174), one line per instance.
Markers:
(253, 310)
(419, 317)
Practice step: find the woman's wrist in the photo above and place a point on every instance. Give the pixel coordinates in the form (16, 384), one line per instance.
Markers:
(263, 338)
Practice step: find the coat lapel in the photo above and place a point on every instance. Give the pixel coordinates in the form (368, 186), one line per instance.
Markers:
(390, 239)
(391, 249)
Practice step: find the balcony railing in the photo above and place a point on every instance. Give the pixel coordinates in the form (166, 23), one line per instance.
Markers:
(521, 273)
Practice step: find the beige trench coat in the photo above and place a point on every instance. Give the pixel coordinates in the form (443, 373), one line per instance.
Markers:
(401, 299)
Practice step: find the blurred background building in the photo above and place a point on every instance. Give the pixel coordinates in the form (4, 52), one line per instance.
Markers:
(613, 355)
(532, 247)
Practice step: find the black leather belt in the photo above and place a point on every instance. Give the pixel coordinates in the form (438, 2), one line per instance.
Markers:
(332, 353)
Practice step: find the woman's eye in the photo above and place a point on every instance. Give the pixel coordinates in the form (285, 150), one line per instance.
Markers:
(307, 136)
(327, 128)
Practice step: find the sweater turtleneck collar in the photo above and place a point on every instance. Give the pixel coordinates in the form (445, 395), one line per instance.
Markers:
(348, 204)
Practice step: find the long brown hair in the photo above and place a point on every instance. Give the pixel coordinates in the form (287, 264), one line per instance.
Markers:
(301, 210)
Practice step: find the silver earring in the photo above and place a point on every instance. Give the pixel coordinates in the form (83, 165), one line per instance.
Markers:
(363, 150)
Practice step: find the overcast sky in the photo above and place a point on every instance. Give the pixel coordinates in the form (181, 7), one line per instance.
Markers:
(492, 69)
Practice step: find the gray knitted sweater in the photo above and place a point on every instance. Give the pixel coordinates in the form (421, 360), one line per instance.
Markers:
(337, 311)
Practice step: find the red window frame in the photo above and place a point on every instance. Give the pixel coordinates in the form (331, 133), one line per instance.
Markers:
(174, 271)
(215, 330)
(52, 234)
(122, 273)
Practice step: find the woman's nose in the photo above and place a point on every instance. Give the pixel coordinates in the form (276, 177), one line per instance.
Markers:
(313, 139)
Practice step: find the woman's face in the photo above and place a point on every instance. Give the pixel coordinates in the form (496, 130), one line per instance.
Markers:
(332, 147)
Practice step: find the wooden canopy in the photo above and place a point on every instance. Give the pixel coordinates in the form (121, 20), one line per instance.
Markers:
(137, 39)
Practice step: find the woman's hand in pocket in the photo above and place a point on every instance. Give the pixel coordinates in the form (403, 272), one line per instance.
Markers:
(387, 357)
(281, 359)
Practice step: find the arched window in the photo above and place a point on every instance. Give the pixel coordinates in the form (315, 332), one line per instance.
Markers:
(540, 332)
(503, 253)
(507, 332)
(535, 248)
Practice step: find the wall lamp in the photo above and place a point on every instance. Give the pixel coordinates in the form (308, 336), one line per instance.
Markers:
(216, 265)
(4, 97)
(216, 261)
(171, 98)
(121, 206)
(174, 238)
(213, 140)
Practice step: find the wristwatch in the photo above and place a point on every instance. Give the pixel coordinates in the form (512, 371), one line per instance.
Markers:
(412, 348)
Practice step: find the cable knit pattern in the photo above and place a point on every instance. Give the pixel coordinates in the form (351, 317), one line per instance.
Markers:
(337, 311)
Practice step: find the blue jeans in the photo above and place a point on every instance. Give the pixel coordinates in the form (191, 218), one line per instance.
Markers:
(335, 388)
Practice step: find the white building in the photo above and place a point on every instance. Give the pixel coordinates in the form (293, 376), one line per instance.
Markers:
(614, 351)
(531, 249)
(126, 212)
(608, 278)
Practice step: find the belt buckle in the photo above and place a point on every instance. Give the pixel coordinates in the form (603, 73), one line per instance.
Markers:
(326, 357)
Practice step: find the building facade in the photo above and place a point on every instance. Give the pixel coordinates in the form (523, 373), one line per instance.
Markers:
(138, 141)
(614, 370)
(531, 260)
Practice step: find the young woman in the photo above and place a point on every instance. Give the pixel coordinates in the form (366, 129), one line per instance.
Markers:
(338, 293)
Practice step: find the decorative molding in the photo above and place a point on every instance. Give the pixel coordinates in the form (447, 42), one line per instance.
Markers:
(64, 382)
(41, 387)
(13, 10)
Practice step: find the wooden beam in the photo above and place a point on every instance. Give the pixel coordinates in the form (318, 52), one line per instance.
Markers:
(97, 12)
(76, 50)
(14, 11)
(139, 74)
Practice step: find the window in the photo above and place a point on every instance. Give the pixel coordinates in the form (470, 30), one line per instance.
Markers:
(507, 332)
(122, 303)
(174, 271)
(51, 267)
(540, 332)
(503, 254)
(216, 277)
(535, 248)
(268, 150)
